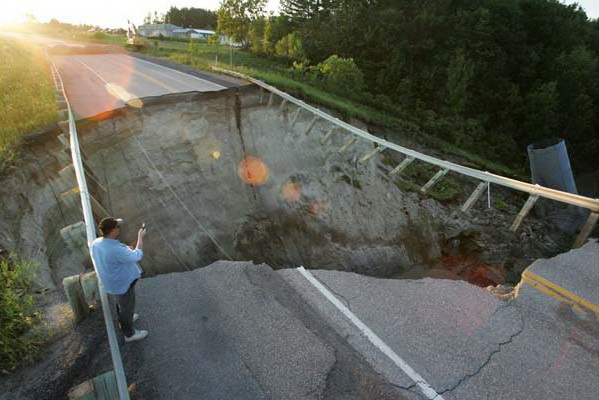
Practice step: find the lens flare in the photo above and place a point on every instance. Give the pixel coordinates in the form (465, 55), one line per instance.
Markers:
(291, 191)
(121, 93)
(253, 171)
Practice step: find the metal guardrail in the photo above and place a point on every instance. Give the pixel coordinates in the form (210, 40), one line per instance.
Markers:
(534, 191)
(115, 353)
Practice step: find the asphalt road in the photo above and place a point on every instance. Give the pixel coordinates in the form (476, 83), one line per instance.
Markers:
(96, 83)
(235, 330)
(464, 342)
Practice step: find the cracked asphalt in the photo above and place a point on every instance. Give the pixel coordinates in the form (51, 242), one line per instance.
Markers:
(462, 340)
(235, 330)
(243, 331)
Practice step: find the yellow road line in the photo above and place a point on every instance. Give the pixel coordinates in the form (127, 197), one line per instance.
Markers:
(557, 292)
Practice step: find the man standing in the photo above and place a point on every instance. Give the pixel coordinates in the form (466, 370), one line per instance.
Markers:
(118, 271)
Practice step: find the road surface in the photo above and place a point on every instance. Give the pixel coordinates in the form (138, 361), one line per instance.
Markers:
(97, 83)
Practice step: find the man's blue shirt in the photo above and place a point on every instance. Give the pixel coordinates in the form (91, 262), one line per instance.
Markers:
(116, 264)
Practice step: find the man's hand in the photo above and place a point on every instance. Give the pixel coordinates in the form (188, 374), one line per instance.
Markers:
(140, 238)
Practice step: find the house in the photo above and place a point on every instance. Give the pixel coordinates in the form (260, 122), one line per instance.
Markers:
(189, 33)
(157, 30)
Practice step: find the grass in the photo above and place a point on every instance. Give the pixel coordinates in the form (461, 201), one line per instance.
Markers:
(19, 344)
(26, 93)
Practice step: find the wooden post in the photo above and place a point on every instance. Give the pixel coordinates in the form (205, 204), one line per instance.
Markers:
(63, 156)
(586, 229)
(62, 138)
(347, 145)
(89, 284)
(476, 194)
(310, 125)
(101, 387)
(403, 165)
(295, 117)
(282, 105)
(74, 291)
(270, 99)
(368, 156)
(261, 95)
(327, 136)
(433, 180)
(532, 199)
(64, 126)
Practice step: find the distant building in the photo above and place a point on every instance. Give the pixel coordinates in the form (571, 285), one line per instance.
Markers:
(190, 33)
(157, 30)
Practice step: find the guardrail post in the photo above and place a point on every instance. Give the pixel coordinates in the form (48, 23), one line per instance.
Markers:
(586, 230)
(270, 99)
(476, 194)
(282, 105)
(327, 136)
(403, 165)
(295, 117)
(310, 125)
(440, 174)
(368, 156)
(532, 199)
(347, 145)
(62, 138)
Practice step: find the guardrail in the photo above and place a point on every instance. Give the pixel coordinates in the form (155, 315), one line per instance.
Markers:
(487, 178)
(115, 353)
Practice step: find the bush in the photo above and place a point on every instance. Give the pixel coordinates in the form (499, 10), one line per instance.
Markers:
(291, 47)
(342, 75)
(18, 314)
(99, 35)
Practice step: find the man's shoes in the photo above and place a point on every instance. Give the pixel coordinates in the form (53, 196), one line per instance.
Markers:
(138, 335)
(135, 317)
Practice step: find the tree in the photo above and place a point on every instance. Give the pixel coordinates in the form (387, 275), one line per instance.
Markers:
(191, 17)
(236, 16)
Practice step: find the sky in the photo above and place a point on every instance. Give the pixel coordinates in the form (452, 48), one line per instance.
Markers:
(114, 13)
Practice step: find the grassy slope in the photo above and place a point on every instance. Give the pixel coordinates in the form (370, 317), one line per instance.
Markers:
(26, 92)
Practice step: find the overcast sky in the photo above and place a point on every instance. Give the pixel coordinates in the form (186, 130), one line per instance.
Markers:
(114, 13)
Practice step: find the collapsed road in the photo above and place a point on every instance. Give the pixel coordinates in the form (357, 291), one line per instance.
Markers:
(218, 175)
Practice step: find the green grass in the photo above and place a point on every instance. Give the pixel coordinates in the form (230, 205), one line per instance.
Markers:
(19, 343)
(26, 93)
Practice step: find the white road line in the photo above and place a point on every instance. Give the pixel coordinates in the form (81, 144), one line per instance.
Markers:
(97, 74)
(424, 387)
(204, 81)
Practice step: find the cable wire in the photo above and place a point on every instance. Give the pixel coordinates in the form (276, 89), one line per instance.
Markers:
(176, 196)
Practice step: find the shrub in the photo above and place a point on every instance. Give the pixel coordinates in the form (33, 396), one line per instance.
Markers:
(342, 75)
(18, 314)
(291, 47)
(100, 35)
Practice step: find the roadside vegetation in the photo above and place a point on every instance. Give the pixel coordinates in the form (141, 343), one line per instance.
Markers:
(27, 94)
(486, 76)
(19, 341)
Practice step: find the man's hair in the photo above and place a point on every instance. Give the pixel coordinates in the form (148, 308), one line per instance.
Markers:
(107, 225)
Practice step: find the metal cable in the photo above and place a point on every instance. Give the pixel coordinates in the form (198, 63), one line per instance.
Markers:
(176, 196)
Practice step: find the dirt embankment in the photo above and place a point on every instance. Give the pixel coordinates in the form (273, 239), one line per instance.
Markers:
(221, 175)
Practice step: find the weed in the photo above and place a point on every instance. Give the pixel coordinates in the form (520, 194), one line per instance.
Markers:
(18, 314)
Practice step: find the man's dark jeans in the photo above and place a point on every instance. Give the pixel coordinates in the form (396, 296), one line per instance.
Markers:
(125, 306)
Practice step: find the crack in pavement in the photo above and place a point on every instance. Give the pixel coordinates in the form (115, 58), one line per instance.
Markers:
(339, 295)
(499, 345)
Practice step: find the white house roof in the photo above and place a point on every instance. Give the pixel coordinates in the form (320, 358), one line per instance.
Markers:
(205, 32)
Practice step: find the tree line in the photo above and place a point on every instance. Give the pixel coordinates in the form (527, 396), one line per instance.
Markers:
(490, 76)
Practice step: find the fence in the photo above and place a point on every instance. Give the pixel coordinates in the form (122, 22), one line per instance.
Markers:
(486, 178)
